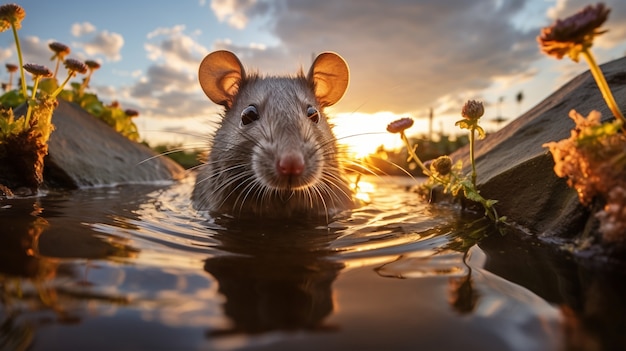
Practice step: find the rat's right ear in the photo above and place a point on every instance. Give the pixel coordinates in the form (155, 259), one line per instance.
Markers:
(220, 74)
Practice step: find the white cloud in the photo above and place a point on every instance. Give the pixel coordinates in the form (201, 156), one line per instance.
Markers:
(104, 43)
(5, 53)
(166, 31)
(169, 87)
(175, 48)
(232, 12)
(36, 51)
(80, 29)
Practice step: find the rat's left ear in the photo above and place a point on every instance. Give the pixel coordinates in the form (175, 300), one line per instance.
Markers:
(220, 74)
(330, 76)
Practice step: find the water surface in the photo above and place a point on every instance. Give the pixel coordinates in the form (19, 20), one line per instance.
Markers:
(136, 268)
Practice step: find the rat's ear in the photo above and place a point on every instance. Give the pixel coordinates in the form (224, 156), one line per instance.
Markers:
(220, 74)
(330, 76)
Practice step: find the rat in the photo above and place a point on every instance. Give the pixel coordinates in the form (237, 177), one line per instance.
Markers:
(273, 154)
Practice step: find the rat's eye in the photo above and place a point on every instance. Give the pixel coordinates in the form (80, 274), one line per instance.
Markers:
(249, 115)
(313, 114)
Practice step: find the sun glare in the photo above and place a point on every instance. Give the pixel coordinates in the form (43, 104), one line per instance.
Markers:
(363, 133)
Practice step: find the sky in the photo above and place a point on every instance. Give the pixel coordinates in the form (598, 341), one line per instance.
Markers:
(405, 57)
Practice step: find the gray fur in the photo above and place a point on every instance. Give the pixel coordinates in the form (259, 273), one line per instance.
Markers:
(239, 176)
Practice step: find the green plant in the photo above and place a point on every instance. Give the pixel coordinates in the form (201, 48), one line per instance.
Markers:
(24, 140)
(593, 158)
(445, 174)
(60, 51)
(111, 114)
(11, 16)
(187, 159)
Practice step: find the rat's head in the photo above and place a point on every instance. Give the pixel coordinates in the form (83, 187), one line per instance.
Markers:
(275, 126)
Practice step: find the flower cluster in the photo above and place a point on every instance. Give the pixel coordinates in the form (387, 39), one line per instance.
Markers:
(442, 172)
(593, 159)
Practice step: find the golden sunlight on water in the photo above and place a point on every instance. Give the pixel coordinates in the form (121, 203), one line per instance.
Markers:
(363, 189)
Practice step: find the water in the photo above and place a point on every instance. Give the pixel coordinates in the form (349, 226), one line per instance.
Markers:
(136, 268)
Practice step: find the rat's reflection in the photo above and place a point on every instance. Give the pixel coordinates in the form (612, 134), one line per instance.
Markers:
(278, 277)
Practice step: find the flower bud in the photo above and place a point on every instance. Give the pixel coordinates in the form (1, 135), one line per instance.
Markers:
(442, 165)
(473, 109)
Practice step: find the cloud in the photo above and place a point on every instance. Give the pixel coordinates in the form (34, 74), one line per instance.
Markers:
(403, 55)
(232, 12)
(5, 53)
(103, 43)
(80, 29)
(174, 47)
(165, 31)
(169, 87)
(36, 51)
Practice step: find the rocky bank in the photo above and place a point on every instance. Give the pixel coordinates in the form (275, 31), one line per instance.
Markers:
(85, 152)
(514, 168)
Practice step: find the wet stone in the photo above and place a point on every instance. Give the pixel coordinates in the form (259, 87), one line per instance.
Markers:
(514, 168)
(84, 152)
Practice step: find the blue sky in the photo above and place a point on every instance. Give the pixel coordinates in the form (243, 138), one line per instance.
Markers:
(404, 56)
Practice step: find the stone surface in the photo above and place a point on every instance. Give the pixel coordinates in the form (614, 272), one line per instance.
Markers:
(514, 168)
(84, 151)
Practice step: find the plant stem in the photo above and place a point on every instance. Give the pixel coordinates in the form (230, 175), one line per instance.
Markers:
(409, 149)
(60, 88)
(56, 68)
(19, 57)
(33, 99)
(471, 154)
(603, 85)
(417, 160)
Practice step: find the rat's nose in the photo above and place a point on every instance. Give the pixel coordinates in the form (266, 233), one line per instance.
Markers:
(290, 164)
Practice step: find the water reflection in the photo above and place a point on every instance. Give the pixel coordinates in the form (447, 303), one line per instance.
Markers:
(136, 268)
(37, 286)
(275, 277)
(589, 292)
(462, 295)
(23, 279)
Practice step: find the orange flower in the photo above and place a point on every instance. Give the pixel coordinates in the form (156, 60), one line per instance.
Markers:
(11, 15)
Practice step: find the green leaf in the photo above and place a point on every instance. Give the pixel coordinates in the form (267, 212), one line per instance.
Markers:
(489, 203)
(12, 99)
(48, 85)
(481, 132)
(463, 124)
(593, 134)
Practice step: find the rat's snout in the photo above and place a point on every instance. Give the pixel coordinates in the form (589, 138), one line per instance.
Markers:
(290, 164)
